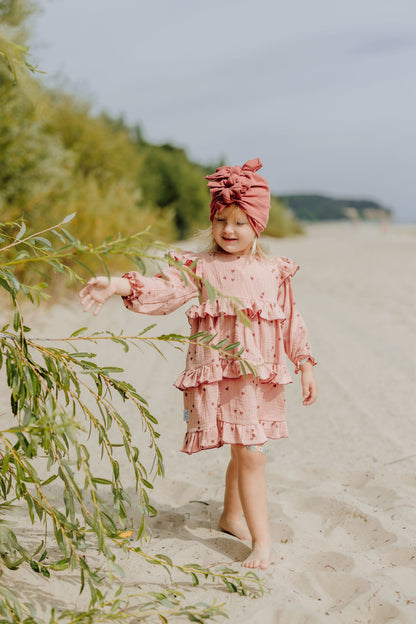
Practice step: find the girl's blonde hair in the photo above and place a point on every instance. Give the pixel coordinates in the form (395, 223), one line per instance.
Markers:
(209, 244)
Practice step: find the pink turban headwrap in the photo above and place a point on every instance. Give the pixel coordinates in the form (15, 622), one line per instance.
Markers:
(244, 187)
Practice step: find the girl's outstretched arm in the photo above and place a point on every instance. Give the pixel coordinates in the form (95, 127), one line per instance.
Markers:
(99, 289)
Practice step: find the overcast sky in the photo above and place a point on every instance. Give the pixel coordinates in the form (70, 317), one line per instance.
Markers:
(322, 91)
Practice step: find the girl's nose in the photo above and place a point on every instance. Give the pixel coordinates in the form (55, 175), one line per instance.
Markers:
(228, 227)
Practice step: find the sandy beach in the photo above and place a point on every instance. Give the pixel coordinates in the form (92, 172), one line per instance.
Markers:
(342, 487)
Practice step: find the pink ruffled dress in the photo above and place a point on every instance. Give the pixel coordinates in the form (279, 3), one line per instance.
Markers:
(222, 406)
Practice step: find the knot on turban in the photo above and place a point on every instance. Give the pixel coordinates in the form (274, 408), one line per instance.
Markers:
(244, 187)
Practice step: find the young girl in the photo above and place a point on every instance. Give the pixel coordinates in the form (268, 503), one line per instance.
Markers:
(222, 406)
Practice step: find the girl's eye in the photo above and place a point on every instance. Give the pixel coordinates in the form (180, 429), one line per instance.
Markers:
(219, 219)
(241, 222)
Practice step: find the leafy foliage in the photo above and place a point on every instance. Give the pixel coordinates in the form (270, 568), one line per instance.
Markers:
(62, 404)
(13, 52)
(281, 222)
(173, 183)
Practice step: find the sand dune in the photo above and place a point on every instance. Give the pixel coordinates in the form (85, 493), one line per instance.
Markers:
(342, 487)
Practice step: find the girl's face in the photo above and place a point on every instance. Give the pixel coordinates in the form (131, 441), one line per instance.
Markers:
(232, 231)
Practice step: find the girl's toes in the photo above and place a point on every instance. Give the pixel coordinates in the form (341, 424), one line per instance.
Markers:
(258, 558)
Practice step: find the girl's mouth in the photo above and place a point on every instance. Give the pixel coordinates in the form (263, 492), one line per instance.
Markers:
(228, 239)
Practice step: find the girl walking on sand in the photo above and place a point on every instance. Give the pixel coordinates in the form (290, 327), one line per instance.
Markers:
(223, 406)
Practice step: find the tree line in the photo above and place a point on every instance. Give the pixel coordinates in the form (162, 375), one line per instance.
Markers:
(322, 208)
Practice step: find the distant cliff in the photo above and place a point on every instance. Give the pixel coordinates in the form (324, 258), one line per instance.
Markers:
(323, 208)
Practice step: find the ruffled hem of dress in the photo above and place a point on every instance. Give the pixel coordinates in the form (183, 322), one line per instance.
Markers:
(215, 371)
(266, 310)
(228, 433)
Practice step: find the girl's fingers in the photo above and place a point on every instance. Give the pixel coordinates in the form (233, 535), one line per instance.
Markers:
(96, 286)
(310, 394)
(88, 305)
(92, 282)
(94, 294)
(87, 298)
(306, 393)
(86, 290)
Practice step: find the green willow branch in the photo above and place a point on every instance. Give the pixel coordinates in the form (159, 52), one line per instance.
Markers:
(202, 339)
(14, 55)
(18, 240)
(132, 247)
(136, 399)
(124, 609)
(46, 505)
(225, 575)
(99, 399)
(107, 444)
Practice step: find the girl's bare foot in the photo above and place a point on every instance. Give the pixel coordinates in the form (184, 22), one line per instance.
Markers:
(234, 527)
(260, 557)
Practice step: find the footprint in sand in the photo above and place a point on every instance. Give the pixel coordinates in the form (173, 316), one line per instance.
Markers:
(346, 524)
(346, 597)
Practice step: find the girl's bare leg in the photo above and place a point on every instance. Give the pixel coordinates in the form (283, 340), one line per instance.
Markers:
(252, 488)
(231, 519)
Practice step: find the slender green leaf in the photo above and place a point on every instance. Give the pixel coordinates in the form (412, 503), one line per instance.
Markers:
(68, 218)
(21, 231)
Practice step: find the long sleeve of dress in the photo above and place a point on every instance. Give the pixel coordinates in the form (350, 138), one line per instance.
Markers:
(295, 333)
(161, 294)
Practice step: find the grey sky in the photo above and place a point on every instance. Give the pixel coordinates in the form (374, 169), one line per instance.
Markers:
(323, 91)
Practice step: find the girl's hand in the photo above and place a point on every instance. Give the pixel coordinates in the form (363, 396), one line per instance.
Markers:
(309, 385)
(97, 292)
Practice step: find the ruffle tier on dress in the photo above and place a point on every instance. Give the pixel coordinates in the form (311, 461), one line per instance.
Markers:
(240, 410)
